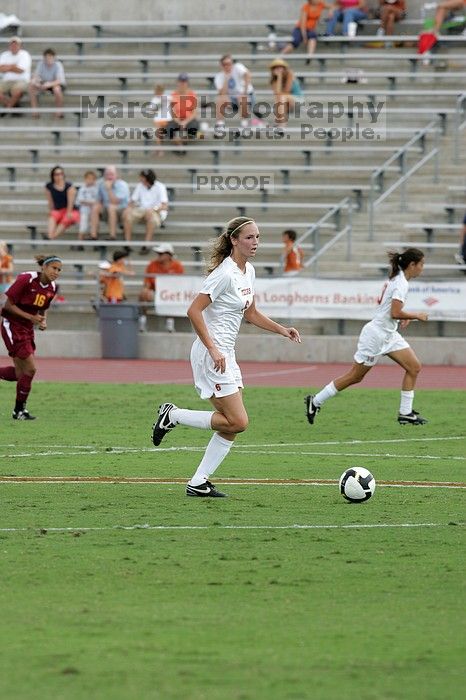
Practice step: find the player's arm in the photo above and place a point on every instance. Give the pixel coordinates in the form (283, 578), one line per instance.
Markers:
(257, 318)
(9, 306)
(200, 303)
(396, 311)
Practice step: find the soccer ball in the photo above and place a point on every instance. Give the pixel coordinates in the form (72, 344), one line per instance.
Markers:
(357, 485)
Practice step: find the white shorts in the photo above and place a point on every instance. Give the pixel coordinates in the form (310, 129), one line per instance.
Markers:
(207, 380)
(372, 344)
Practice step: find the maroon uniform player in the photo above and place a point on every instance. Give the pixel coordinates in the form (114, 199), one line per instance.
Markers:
(28, 299)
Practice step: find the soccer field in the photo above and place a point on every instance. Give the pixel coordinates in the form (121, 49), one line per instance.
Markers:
(115, 585)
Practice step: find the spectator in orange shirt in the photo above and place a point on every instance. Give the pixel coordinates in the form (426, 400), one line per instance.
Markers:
(113, 279)
(6, 267)
(183, 103)
(306, 27)
(164, 264)
(292, 255)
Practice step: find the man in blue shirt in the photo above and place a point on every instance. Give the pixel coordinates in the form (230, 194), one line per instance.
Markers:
(112, 199)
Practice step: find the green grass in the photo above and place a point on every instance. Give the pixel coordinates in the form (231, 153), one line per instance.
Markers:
(221, 612)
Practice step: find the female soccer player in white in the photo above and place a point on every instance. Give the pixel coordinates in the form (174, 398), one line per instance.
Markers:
(380, 337)
(216, 314)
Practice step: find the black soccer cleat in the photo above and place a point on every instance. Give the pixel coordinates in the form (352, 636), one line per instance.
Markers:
(163, 424)
(311, 409)
(205, 490)
(412, 418)
(23, 414)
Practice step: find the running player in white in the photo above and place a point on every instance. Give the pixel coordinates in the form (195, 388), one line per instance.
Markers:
(380, 337)
(216, 314)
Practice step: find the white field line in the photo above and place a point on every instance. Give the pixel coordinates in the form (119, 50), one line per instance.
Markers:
(141, 481)
(239, 450)
(222, 527)
(346, 454)
(92, 450)
(271, 444)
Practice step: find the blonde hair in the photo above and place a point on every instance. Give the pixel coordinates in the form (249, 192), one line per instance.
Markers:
(222, 246)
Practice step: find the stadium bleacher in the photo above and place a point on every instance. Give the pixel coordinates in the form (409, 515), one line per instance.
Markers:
(310, 177)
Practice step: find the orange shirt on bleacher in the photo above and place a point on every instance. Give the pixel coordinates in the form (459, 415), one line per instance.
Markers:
(183, 106)
(156, 268)
(293, 259)
(114, 286)
(313, 13)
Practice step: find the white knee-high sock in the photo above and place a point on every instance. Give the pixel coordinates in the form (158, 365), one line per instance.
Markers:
(326, 393)
(406, 403)
(215, 453)
(195, 419)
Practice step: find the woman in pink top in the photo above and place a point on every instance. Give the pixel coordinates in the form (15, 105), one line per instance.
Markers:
(346, 11)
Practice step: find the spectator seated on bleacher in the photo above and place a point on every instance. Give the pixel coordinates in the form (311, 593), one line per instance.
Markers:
(61, 196)
(15, 65)
(184, 124)
(306, 27)
(349, 12)
(285, 88)
(391, 11)
(446, 9)
(85, 200)
(112, 200)
(149, 203)
(235, 92)
(160, 104)
(49, 76)
(164, 264)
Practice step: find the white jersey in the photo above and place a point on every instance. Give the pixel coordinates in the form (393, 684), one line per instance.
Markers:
(235, 81)
(231, 292)
(396, 288)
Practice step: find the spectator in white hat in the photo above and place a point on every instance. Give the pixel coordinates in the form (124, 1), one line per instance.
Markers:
(15, 67)
(164, 263)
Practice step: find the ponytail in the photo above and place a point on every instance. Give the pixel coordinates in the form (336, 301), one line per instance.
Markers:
(400, 261)
(222, 246)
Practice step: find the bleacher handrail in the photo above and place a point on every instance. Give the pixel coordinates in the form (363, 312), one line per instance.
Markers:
(400, 155)
(344, 205)
(460, 124)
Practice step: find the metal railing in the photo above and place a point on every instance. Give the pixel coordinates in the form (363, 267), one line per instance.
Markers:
(344, 207)
(401, 155)
(460, 124)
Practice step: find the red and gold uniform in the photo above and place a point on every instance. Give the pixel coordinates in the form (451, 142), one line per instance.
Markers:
(30, 295)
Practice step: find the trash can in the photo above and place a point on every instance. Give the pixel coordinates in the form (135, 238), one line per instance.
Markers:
(119, 330)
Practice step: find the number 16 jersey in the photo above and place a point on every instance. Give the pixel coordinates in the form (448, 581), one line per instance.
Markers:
(29, 294)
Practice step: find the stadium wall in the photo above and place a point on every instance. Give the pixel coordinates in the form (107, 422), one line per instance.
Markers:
(265, 347)
(175, 10)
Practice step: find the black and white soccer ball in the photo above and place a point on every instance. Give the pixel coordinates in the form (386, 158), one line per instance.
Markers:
(357, 484)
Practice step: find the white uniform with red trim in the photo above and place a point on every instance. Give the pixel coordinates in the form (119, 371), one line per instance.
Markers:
(380, 336)
(231, 292)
